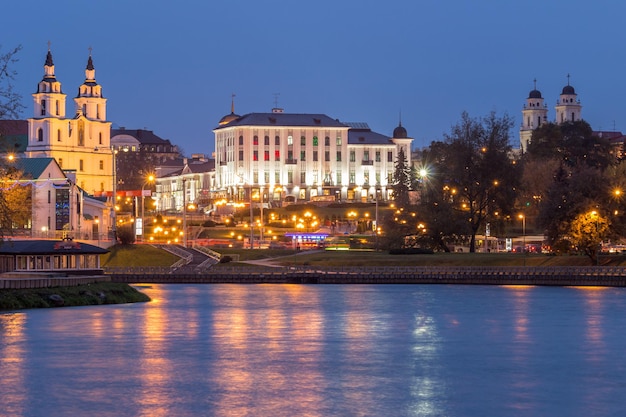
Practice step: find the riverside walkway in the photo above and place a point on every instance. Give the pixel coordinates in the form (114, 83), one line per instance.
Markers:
(469, 275)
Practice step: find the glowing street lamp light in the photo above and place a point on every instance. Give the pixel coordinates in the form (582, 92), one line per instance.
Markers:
(143, 229)
(523, 219)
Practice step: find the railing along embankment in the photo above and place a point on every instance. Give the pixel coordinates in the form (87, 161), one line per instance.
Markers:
(468, 275)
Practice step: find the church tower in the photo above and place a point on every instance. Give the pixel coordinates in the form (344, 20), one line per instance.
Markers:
(49, 103)
(89, 100)
(568, 108)
(81, 144)
(534, 114)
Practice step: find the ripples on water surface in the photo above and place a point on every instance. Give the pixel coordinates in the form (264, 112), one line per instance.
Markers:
(298, 350)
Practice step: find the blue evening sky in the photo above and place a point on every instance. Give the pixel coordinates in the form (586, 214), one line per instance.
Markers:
(171, 66)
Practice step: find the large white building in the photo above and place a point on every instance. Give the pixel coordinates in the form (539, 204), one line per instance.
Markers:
(304, 157)
(535, 112)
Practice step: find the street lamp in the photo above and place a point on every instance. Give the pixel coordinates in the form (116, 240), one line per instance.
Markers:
(376, 227)
(184, 212)
(143, 229)
(114, 197)
(594, 214)
(523, 218)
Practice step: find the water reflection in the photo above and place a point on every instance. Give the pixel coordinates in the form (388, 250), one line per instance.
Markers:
(12, 357)
(313, 350)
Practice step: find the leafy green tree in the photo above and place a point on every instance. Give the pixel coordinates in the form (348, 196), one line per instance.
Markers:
(476, 177)
(401, 181)
(569, 169)
(573, 143)
(15, 202)
(586, 232)
(126, 235)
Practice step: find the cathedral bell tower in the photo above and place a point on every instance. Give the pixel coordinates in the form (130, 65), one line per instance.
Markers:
(49, 107)
(568, 108)
(89, 100)
(534, 114)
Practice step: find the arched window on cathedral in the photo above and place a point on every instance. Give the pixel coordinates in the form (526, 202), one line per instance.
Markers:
(85, 110)
(97, 111)
(40, 135)
(100, 138)
(57, 108)
(43, 107)
(59, 135)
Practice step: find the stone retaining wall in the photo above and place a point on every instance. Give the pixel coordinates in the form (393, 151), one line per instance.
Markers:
(554, 276)
(46, 282)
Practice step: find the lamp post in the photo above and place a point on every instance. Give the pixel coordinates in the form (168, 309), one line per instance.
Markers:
(376, 226)
(143, 221)
(97, 221)
(261, 199)
(523, 218)
(594, 214)
(251, 221)
(184, 212)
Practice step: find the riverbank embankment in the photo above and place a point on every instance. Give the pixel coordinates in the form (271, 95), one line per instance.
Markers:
(470, 275)
(72, 295)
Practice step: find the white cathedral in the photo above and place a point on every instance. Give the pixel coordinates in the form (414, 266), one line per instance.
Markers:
(535, 112)
(81, 146)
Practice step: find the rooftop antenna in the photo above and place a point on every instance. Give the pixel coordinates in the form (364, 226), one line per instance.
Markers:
(232, 103)
(276, 99)
(567, 78)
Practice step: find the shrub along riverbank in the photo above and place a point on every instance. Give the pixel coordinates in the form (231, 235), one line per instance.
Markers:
(80, 295)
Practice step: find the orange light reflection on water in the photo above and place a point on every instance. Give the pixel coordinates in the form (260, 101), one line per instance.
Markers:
(240, 331)
(155, 369)
(12, 381)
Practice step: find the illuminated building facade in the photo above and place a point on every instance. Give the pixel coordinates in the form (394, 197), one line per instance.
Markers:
(80, 142)
(286, 157)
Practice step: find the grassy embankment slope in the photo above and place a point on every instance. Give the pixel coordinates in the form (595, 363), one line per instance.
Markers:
(81, 295)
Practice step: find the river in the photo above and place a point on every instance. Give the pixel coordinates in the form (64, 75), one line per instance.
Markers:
(321, 350)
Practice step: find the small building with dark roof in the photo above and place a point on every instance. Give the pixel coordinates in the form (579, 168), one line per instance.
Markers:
(60, 256)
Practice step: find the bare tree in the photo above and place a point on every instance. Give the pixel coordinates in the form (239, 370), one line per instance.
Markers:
(10, 101)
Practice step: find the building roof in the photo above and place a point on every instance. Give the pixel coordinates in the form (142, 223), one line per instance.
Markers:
(568, 89)
(48, 247)
(145, 137)
(367, 137)
(201, 167)
(33, 167)
(284, 119)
